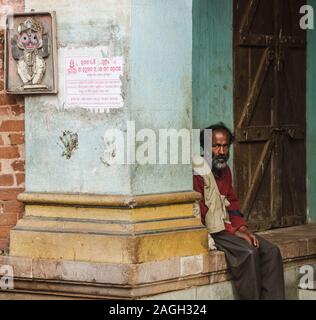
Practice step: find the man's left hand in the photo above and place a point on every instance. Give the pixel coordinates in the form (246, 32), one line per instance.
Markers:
(253, 238)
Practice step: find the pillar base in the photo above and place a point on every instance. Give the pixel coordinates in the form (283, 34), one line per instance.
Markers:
(112, 229)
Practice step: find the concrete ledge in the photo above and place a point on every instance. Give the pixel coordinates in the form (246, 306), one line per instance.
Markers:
(178, 276)
(294, 242)
(306, 294)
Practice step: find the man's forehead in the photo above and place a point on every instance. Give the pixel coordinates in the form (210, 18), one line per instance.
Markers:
(220, 134)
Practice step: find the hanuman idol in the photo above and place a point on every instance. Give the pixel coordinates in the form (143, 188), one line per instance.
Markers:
(29, 48)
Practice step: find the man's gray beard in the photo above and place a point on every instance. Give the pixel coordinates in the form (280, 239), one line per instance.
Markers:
(219, 165)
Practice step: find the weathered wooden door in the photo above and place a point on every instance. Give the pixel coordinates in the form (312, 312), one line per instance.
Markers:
(269, 112)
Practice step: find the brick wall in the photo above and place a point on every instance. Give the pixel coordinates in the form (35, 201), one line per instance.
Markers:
(11, 147)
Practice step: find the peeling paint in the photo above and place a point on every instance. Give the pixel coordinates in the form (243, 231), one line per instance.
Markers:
(108, 157)
(69, 143)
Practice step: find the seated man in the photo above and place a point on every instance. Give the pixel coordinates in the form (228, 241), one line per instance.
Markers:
(256, 264)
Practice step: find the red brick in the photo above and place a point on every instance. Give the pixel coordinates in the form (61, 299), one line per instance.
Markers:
(17, 5)
(9, 152)
(18, 165)
(17, 110)
(21, 214)
(1, 141)
(4, 111)
(7, 99)
(4, 243)
(20, 178)
(20, 100)
(1, 33)
(12, 125)
(9, 194)
(16, 138)
(6, 180)
(11, 207)
(11, 111)
(5, 231)
(8, 219)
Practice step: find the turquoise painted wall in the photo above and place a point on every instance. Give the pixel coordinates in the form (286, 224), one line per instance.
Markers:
(212, 63)
(311, 122)
(212, 67)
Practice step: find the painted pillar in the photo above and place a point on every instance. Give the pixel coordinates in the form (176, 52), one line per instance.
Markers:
(84, 29)
(156, 87)
(311, 121)
(83, 207)
(161, 85)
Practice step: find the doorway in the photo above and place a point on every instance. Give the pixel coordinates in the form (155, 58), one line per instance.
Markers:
(270, 112)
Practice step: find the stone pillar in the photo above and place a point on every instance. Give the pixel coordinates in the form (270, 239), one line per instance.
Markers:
(82, 208)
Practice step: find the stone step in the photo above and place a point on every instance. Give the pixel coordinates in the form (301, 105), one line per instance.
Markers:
(305, 294)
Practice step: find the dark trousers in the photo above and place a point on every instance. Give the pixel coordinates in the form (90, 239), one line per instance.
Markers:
(257, 273)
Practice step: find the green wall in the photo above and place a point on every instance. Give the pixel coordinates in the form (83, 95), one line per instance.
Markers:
(311, 122)
(212, 63)
(213, 78)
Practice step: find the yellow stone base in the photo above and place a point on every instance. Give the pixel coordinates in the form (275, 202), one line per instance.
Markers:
(114, 229)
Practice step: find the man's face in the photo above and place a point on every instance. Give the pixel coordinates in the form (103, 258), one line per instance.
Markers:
(220, 149)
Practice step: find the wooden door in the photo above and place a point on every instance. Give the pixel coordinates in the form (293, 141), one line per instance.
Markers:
(269, 112)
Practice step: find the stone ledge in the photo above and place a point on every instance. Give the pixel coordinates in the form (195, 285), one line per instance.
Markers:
(124, 201)
(306, 294)
(112, 273)
(294, 242)
(131, 281)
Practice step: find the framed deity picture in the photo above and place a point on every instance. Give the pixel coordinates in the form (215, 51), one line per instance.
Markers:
(30, 53)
